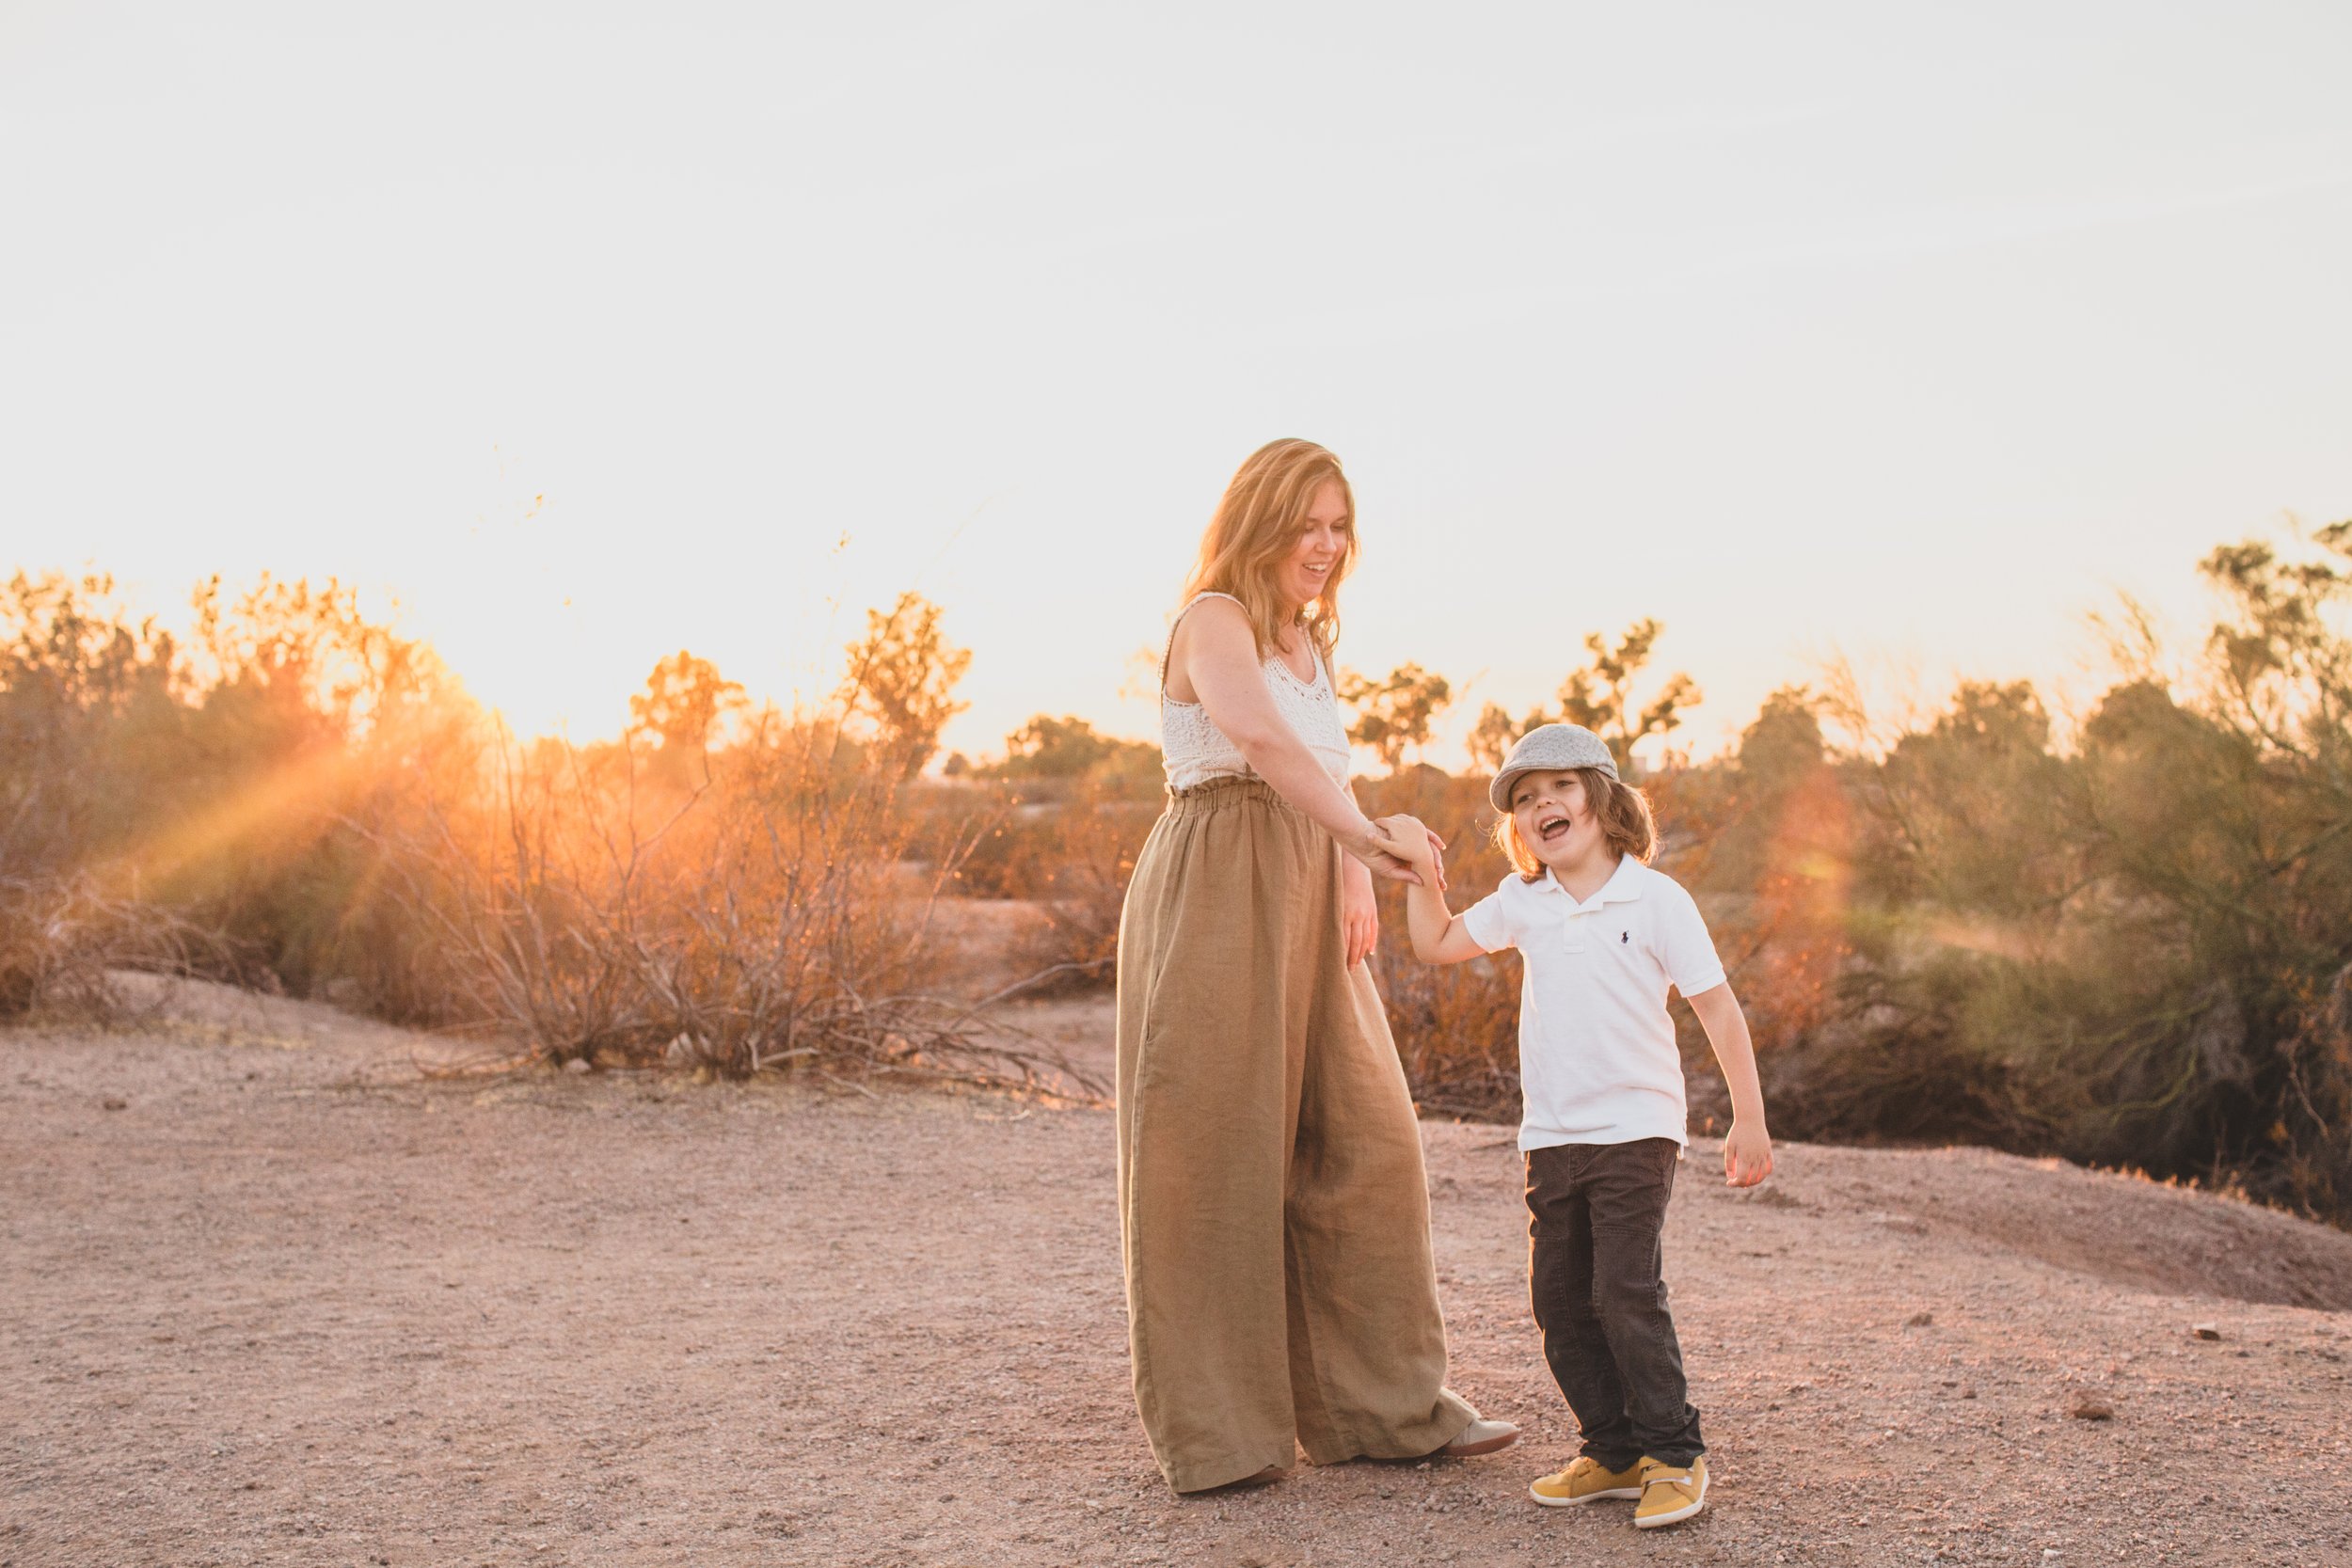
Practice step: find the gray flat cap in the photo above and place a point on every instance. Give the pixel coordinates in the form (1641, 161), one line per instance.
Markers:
(1550, 747)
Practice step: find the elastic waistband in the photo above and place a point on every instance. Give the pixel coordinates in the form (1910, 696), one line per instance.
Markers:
(1218, 793)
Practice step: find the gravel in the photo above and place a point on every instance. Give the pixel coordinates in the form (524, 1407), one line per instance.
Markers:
(294, 1300)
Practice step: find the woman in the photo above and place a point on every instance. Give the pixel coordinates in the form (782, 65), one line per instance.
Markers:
(1274, 1215)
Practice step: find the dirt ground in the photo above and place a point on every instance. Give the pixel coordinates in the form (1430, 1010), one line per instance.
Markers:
(271, 1294)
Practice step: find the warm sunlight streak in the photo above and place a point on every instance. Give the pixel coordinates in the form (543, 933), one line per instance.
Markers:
(243, 820)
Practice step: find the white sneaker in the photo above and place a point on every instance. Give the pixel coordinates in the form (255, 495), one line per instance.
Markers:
(1481, 1436)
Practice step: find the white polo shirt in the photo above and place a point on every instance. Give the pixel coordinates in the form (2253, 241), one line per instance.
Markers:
(1597, 1063)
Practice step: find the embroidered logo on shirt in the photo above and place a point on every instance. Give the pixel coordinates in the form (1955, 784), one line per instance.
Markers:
(1625, 937)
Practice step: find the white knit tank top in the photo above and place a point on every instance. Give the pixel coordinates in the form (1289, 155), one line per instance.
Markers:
(1194, 750)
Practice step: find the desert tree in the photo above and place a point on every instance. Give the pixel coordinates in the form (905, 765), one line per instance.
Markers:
(1067, 748)
(683, 704)
(902, 673)
(1599, 696)
(1492, 737)
(1394, 714)
(2282, 667)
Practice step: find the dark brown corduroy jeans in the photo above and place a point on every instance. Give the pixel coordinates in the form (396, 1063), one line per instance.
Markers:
(1595, 1274)
(1273, 1213)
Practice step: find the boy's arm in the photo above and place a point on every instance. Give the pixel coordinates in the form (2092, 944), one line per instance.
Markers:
(1438, 936)
(1747, 1147)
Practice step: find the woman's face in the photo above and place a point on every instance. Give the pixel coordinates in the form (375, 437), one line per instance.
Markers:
(1318, 550)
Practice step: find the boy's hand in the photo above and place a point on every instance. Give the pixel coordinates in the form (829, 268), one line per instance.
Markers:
(1747, 1155)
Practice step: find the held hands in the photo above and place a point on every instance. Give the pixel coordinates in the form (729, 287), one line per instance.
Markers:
(1412, 842)
(1747, 1154)
(1378, 854)
(1399, 849)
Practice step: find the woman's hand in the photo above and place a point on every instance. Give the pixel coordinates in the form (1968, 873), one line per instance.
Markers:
(1360, 913)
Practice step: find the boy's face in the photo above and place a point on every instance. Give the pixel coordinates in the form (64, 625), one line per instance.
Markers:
(1556, 821)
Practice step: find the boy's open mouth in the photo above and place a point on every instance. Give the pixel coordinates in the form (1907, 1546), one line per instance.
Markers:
(1549, 828)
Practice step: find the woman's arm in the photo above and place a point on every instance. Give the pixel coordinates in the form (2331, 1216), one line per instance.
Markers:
(1747, 1147)
(1218, 656)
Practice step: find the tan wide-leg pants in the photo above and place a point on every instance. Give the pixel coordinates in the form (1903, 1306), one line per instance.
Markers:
(1273, 1211)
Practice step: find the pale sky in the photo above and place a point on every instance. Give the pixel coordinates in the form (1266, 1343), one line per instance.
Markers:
(591, 333)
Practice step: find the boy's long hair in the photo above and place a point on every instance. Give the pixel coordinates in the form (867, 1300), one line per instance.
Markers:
(1625, 817)
(1259, 520)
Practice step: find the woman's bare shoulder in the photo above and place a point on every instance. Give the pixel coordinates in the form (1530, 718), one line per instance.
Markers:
(1211, 628)
(1216, 624)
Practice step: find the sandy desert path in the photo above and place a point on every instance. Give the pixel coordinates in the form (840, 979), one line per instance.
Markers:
(270, 1294)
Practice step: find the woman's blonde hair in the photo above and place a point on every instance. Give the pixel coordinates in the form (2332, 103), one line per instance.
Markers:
(1257, 523)
(1625, 817)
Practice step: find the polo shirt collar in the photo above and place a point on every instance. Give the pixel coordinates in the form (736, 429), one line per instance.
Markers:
(1622, 886)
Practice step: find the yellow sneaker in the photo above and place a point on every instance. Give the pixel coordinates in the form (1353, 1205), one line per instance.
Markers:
(1588, 1481)
(1670, 1493)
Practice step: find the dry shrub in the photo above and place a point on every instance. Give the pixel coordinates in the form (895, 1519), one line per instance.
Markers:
(206, 783)
(1456, 1028)
(61, 938)
(1078, 877)
(1063, 844)
(744, 911)
(2131, 945)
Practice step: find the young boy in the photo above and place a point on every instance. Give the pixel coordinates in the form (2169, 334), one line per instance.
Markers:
(1602, 936)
